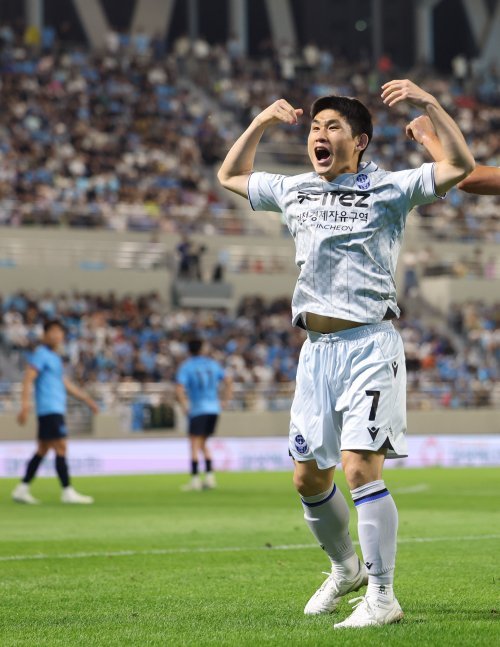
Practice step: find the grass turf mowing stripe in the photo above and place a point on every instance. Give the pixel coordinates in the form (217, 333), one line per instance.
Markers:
(222, 549)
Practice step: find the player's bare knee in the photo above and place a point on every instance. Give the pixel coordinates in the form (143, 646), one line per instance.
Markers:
(43, 448)
(310, 483)
(361, 468)
(356, 475)
(60, 447)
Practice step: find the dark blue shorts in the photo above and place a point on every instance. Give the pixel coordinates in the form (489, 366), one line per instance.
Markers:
(203, 425)
(51, 427)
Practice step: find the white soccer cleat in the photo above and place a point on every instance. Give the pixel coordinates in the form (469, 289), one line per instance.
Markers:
(327, 597)
(70, 495)
(371, 612)
(209, 483)
(194, 485)
(22, 494)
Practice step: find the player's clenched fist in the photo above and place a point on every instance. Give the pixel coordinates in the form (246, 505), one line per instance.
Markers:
(279, 111)
(420, 128)
(398, 91)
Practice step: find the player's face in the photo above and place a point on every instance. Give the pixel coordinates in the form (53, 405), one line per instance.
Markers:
(54, 337)
(331, 145)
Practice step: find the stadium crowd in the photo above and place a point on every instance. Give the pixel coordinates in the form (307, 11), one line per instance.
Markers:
(137, 339)
(127, 139)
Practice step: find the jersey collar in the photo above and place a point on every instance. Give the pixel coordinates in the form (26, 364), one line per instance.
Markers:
(364, 167)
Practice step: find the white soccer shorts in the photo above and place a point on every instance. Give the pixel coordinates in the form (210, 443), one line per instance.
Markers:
(350, 394)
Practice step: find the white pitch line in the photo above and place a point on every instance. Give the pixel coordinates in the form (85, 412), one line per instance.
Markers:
(221, 549)
(411, 489)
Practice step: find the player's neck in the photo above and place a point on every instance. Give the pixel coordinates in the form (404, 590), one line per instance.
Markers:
(334, 173)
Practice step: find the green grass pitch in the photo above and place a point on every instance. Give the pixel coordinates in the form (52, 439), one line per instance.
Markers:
(150, 565)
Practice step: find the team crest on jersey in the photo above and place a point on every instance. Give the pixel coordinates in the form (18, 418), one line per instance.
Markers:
(300, 444)
(363, 181)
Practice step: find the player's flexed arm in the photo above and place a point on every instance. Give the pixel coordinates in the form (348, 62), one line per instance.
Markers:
(484, 180)
(457, 161)
(238, 164)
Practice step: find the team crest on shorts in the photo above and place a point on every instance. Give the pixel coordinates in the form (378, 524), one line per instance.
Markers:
(300, 444)
(363, 181)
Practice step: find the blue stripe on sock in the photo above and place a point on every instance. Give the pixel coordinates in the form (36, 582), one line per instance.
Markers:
(313, 505)
(373, 497)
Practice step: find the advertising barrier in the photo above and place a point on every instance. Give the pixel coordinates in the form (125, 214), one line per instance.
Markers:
(169, 455)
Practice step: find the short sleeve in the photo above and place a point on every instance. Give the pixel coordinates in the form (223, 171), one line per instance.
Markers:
(417, 184)
(265, 191)
(37, 359)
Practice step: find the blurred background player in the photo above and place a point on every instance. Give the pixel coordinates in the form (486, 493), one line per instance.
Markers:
(45, 370)
(197, 391)
(484, 180)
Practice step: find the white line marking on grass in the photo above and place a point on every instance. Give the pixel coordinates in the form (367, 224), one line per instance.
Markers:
(220, 549)
(411, 489)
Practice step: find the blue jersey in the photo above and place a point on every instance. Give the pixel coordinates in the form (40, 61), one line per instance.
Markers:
(50, 392)
(201, 376)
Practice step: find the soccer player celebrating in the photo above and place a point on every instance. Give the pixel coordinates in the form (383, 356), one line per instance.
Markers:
(45, 371)
(484, 180)
(197, 390)
(347, 219)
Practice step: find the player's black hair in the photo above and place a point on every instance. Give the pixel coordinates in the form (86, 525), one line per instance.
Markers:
(194, 345)
(354, 112)
(50, 323)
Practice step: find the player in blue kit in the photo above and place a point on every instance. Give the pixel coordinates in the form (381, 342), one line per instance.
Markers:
(199, 379)
(45, 371)
(347, 218)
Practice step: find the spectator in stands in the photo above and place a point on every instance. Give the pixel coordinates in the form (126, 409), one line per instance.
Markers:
(107, 335)
(66, 157)
(185, 255)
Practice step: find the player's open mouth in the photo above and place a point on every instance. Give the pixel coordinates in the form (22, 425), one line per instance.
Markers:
(323, 155)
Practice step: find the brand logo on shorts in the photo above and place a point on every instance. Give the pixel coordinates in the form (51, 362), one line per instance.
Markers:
(300, 444)
(395, 368)
(363, 181)
(373, 431)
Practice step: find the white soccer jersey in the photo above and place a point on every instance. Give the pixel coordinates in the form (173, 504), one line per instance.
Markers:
(347, 234)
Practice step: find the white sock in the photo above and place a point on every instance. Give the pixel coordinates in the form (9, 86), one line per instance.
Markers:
(327, 516)
(383, 592)
(377, 529)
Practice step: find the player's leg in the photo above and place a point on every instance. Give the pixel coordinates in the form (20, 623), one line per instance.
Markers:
(21, 493)
(374, 423)
(69, 494)
(325, 511)
(209, 481)
(61, 464)
(327, 515)
(377, 530)
(195, 448)
(314, 444)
